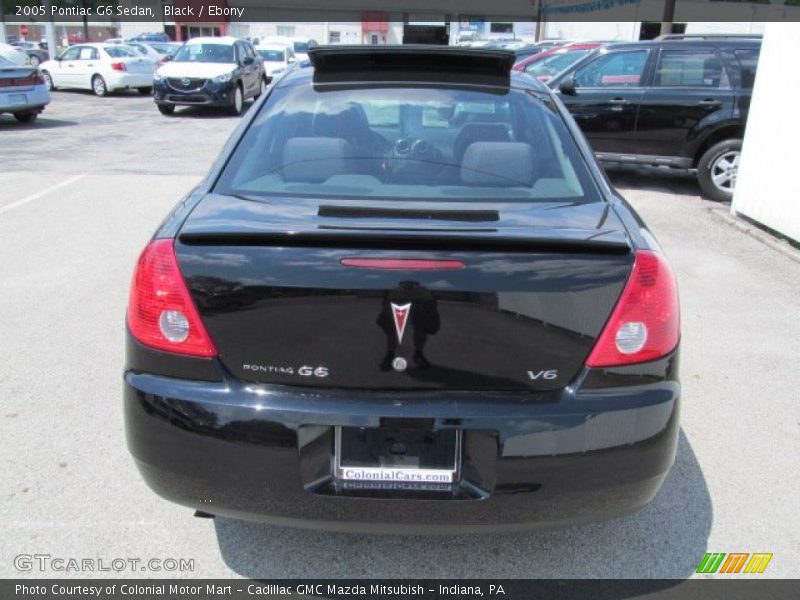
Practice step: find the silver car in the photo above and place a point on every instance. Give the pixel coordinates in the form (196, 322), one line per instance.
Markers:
(23, 92)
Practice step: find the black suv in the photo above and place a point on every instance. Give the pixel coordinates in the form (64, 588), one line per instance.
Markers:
(676, 102)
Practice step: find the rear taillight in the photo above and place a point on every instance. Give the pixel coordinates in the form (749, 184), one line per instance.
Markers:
(34, 79)
(645, 324)
(161, 313)
(118, 66)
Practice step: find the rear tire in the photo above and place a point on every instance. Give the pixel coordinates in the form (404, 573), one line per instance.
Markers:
(718, 170)
(166, 109)
(99, 86)
(48, 81)
(262, 87)
(145, 91)
(237, 102)
(26, 117)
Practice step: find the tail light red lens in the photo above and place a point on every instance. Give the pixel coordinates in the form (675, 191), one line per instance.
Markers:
(35, 79)
(645, 324)
(118, 66)
(161, 313)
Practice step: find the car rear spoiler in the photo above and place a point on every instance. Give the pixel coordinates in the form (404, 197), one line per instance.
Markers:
(598, 241)
(407, 63)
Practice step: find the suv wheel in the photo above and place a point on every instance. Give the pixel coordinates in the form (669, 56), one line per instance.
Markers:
(237, 103)
(262, 87)
(166, 109)
(718, 169)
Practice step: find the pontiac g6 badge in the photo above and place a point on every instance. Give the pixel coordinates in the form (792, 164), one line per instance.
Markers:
(400, 313)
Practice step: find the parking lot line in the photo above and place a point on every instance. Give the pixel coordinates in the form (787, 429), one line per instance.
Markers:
(41, 193)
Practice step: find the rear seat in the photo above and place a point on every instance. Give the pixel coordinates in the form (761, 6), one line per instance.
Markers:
(315, 159)
(506, 164)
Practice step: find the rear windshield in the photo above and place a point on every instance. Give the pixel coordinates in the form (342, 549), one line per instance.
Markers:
(547, 68)
(120, 51)
(748, 59)
(165, 48)
(404, 142)
(271, 55)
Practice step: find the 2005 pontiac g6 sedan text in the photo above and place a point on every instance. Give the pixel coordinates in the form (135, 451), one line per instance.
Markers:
(405, 298)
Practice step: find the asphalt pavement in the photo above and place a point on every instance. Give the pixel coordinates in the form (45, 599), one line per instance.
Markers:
(82, 190)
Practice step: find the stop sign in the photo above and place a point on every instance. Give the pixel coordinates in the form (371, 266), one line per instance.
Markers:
(23, 30)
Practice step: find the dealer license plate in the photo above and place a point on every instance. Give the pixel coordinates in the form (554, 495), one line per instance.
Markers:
(402, 456)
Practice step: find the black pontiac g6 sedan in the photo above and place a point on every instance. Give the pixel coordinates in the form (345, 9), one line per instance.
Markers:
(404, 299)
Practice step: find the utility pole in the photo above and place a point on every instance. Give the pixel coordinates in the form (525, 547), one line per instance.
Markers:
(539, 25)
(2, 22)
(50, 31)
(668, 17)
(85, 23)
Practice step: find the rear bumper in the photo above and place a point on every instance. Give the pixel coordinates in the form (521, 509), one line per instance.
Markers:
(26, 100)
(117, 80)
(264, 452)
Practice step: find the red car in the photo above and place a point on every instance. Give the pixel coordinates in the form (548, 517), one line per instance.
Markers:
(545, 65)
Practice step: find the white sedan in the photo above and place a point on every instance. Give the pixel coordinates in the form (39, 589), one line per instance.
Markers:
(102, 68)
(15, 55)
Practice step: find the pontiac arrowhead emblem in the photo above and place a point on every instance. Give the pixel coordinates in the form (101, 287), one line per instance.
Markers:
(400, 313)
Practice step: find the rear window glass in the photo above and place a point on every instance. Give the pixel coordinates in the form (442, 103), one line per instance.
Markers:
(547, 68)
(748, 60)
(392, 142)
(120, 51)
(690, 68)
(165, 48)
(272, 55)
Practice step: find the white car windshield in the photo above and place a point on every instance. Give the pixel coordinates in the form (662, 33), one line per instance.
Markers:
(207, 53)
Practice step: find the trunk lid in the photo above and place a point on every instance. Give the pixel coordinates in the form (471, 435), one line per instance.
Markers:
(17, 79)
(139, 65)
(526, 291)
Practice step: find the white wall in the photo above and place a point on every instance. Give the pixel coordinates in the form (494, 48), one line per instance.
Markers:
(349, 31)
(768, 185)
(730, 27)
(626, 31)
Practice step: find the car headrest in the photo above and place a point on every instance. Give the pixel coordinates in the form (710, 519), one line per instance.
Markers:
(348, 121)
(478, 132)
(314, 159)
(506, 164)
